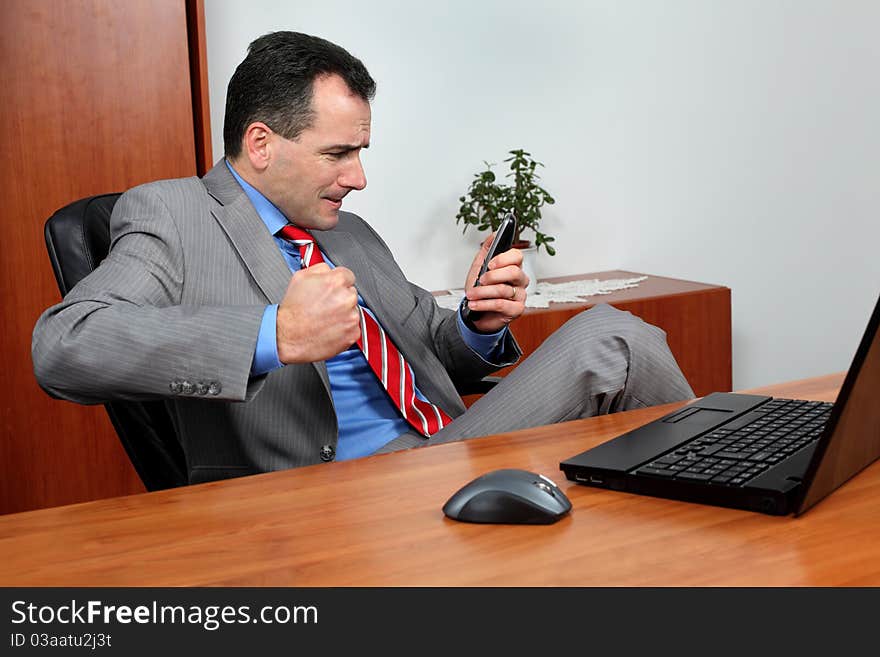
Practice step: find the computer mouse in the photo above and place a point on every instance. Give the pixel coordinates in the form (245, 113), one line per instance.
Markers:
(508, 496)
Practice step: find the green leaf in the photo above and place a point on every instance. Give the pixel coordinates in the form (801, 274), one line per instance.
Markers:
(487, 199)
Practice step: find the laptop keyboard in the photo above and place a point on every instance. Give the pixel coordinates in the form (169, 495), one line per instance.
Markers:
(733, 457)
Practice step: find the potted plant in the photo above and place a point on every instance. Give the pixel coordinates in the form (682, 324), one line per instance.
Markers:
(487, 200)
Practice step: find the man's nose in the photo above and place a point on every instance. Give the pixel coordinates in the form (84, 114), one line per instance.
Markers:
(353, 176)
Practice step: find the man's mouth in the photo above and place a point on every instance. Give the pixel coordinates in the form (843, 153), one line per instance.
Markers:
(335, 203)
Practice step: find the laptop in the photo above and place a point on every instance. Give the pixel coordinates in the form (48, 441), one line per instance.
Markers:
(775, 456)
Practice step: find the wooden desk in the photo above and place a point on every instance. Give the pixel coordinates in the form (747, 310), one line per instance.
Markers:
(377, 521)
(695, 316)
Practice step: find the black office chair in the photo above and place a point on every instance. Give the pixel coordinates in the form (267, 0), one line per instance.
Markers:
(78, 239)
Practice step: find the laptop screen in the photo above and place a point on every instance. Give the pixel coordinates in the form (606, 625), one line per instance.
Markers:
(851, 440)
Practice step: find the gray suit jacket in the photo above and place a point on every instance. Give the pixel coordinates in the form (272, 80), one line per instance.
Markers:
(175, 309)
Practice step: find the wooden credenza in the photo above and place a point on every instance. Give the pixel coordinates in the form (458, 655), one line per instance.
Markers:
(695, 316)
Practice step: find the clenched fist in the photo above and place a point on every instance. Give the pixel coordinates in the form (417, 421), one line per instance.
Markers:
(318, 316)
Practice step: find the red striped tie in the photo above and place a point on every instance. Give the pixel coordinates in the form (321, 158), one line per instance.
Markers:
(385, 360)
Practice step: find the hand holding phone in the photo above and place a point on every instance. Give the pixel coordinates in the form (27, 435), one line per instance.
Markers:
(502, 242)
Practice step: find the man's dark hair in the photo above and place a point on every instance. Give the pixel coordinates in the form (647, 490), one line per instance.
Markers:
(274, 84)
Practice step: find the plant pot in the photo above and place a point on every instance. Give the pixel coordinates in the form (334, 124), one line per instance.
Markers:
(528, 265)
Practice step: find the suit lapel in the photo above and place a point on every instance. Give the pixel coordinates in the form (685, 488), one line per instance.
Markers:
(251, 239)
(248, 234)
(343, 250)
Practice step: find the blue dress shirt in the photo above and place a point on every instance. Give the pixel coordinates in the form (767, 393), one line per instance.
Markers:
(366, 416)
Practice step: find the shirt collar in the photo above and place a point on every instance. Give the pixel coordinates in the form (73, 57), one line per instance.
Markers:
(271, 216)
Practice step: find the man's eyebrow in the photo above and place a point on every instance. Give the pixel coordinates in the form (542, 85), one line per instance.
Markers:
(346, 147)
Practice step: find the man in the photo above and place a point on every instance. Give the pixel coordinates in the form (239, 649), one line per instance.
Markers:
(281, 330)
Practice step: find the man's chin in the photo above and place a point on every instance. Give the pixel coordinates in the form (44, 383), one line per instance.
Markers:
(319, 218)
(329, 212)
(327, 220)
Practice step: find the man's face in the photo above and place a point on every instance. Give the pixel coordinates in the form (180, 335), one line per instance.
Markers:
(307, 178)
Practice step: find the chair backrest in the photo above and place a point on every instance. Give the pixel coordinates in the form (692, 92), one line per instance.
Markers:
(78, 239)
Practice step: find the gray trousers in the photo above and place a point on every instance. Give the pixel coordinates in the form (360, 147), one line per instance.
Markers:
(600, 361)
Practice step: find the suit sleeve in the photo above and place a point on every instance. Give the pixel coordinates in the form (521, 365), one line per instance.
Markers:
(461, 362)
(122, 333)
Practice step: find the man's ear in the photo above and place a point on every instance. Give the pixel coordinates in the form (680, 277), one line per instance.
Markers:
(256, 145)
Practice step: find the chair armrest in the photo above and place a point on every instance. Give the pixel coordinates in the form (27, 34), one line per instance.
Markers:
(480, 387)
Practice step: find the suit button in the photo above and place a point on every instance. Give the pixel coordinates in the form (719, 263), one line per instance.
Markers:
(175, 387)
(201, 388)
(186, 387)
(327, 453)
(214, 388)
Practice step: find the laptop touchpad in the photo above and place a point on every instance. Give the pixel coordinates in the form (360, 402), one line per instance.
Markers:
(704, 416)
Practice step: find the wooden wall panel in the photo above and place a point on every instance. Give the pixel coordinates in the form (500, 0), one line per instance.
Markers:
(198, 68)
(97, 98)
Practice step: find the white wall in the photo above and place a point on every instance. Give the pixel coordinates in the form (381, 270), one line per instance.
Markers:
(730, 142)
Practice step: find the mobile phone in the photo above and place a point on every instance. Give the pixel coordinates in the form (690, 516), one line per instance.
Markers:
(502, 242)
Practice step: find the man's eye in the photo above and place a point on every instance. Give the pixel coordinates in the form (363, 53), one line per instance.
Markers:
(338, 156)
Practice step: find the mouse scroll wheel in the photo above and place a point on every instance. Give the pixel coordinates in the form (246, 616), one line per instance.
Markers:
(548, 481)
(545, 487)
